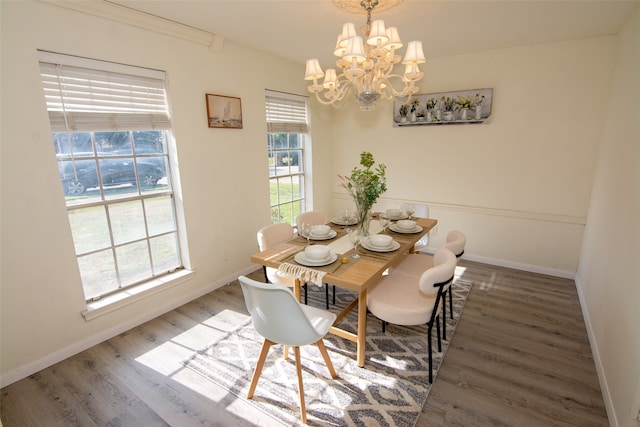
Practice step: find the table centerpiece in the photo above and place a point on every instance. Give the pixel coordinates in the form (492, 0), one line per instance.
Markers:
(365, 186)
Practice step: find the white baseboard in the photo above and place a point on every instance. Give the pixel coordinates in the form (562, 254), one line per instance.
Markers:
(515, 265)
(602, 378)
(75, 348)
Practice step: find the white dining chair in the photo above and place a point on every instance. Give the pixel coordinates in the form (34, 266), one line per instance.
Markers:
(415, 264)
(315, 218)
(403, 299)
(421, 211)
(271, 235)
(280, 319)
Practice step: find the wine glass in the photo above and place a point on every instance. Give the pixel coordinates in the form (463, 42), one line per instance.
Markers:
(384, 220)
(306, 230)
(345, 216)
(410, 210)
(355, 237)
(351, 217)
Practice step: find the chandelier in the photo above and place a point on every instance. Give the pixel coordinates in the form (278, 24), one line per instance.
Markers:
(366, 65)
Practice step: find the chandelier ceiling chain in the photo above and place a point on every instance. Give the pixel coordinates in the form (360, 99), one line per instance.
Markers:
(366, 65)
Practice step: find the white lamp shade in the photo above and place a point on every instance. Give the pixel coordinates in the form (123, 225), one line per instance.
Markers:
(377, 33)
(314, 71)
(330, 79)
(339, 50)
(414, 53)
(394, 38)
(355, 50)
(348, 31)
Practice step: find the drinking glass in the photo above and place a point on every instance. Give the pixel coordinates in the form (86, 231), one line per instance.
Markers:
(410, 210)
(306, 230)
(355, 238)
(384, 220)
(345, 216)
(351, 217)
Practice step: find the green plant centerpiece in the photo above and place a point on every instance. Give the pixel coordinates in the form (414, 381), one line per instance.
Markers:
(365, 185)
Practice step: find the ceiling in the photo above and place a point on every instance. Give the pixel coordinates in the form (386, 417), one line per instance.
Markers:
(301, 29)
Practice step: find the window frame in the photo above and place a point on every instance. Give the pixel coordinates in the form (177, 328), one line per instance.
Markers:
(288, 115)
(67, 118)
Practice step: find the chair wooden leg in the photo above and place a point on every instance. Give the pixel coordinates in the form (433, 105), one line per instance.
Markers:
(303, 409)
(306, 296)
(266, 345)
(327, 360)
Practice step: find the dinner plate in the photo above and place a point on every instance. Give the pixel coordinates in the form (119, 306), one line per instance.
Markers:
(367, 245)
(340, 221)
(331, 235)
(301, 258)
(396, 218)
(394, 227)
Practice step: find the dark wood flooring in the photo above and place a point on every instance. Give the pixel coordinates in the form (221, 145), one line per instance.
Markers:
(520, 356)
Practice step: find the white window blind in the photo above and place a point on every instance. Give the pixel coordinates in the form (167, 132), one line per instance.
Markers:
(109, 97)
(286, 113)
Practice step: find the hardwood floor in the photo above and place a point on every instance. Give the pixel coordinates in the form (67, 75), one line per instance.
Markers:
(520, 356)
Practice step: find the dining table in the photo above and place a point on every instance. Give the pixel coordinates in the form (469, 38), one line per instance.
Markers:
(346, 272)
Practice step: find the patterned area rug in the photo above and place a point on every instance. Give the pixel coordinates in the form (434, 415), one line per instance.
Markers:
(389, 391)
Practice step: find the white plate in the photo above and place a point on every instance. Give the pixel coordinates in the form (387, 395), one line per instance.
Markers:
(367, 245)
(340, 221)
(396, 218)
(394, 227)
(331, 235)
(301, 258)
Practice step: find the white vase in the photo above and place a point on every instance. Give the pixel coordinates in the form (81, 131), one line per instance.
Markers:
(464, 114)
(448, 116)
(412, 118)
(478, 112)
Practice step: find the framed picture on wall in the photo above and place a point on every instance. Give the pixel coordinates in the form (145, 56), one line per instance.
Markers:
(443, 108)
(224, 111)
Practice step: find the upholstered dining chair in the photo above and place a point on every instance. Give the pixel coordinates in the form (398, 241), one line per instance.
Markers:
(315, 218)
(404, 299)
(421, 211)
(272, 235)
(280, 319)
(415, 265)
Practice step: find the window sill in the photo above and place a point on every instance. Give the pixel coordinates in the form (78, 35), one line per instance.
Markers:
(134, 294)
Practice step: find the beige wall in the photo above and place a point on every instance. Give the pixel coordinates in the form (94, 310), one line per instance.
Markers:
(519, 184)
(609, 271)
(223, 173)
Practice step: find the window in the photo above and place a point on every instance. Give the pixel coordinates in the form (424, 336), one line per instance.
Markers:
(287, 139)
(111, 130)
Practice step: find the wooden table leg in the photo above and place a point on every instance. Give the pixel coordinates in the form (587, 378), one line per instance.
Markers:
(362, 326)
(296, 289)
